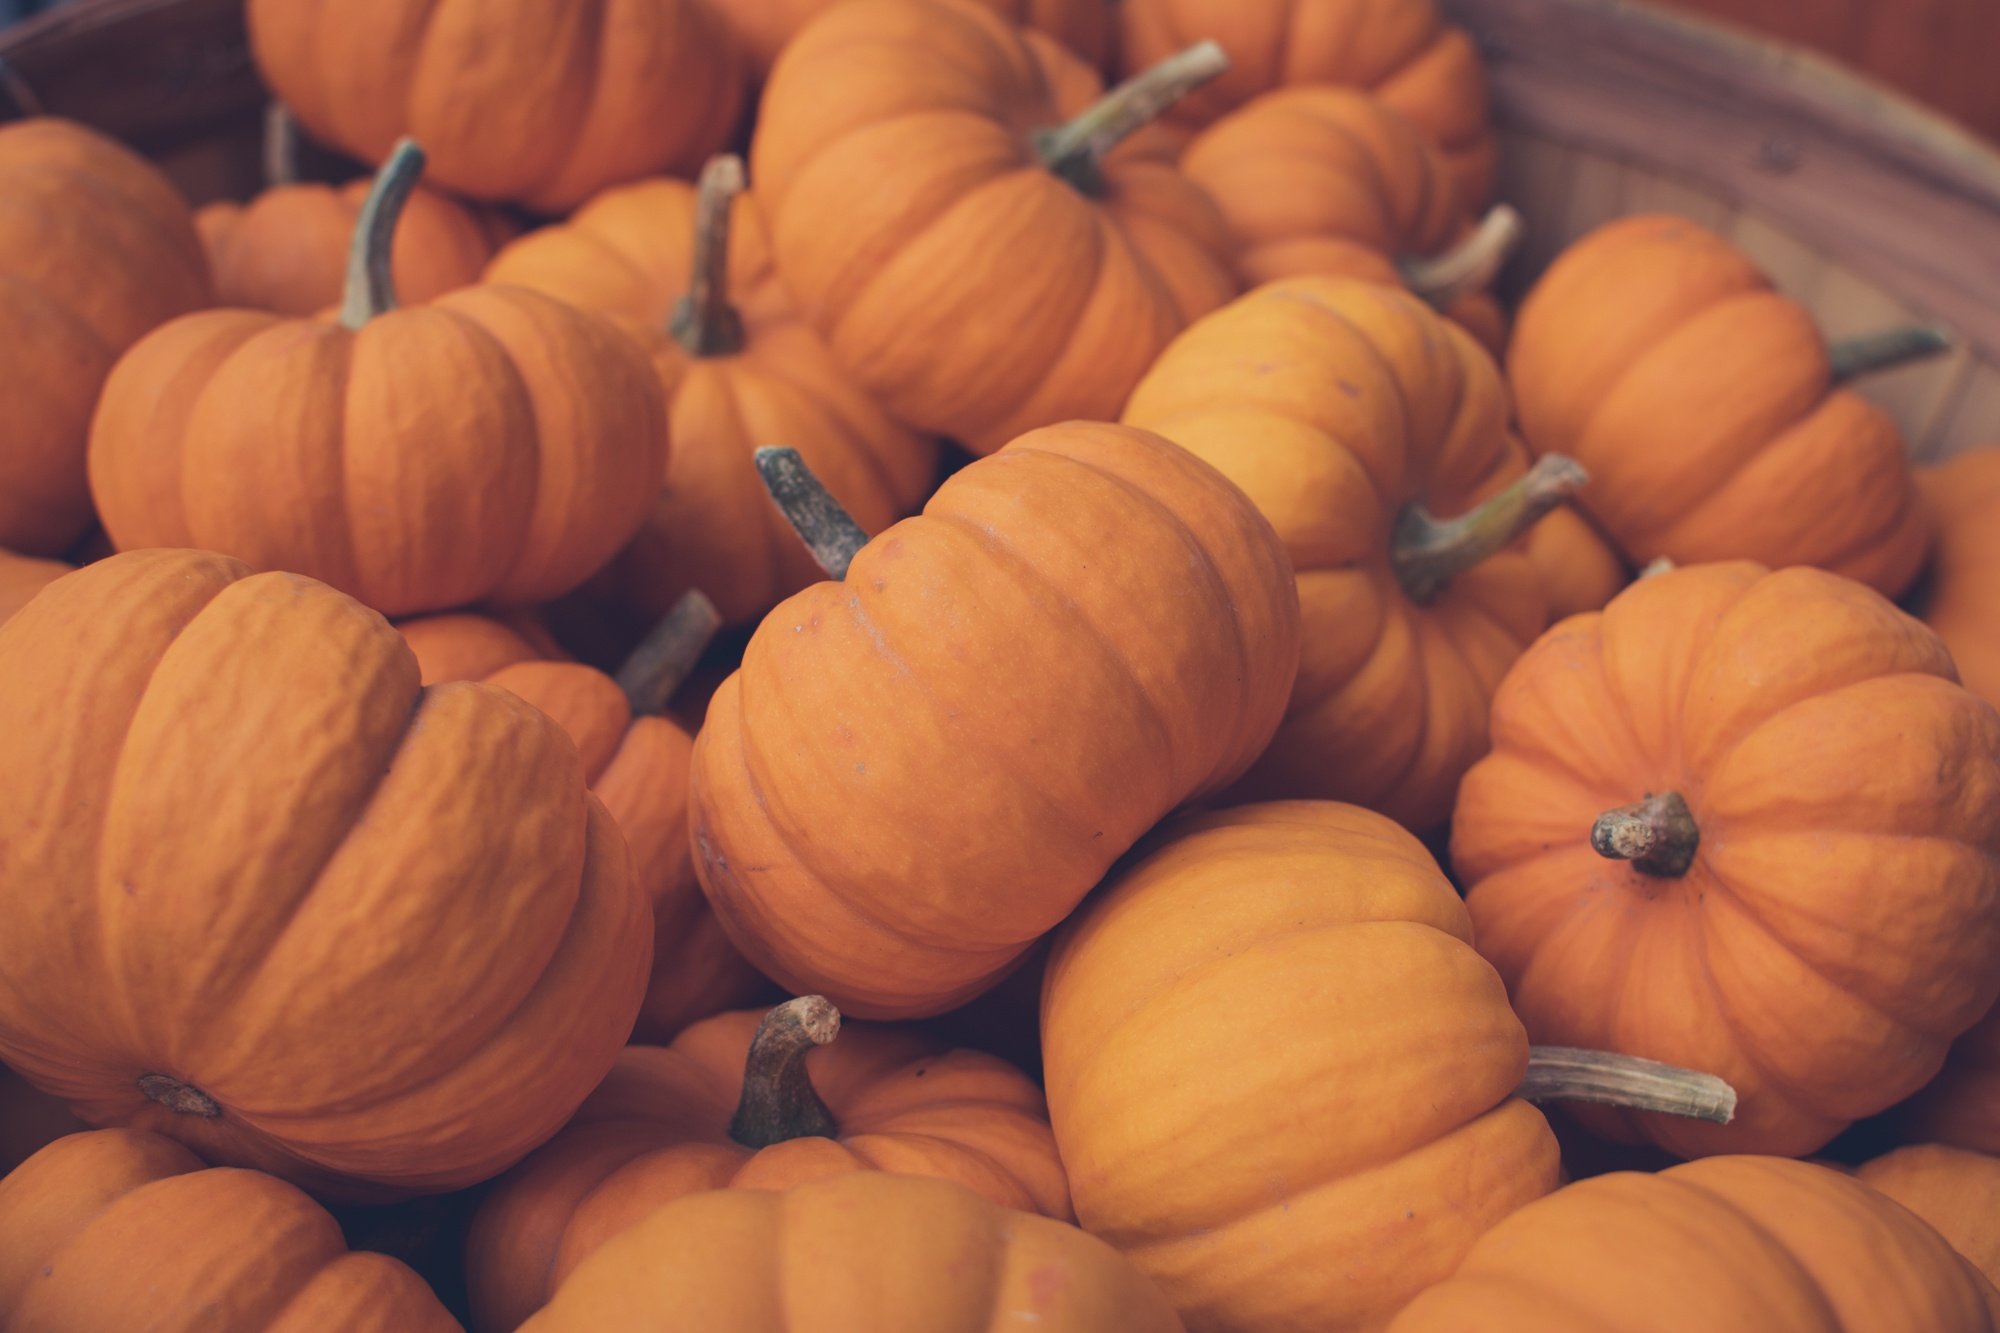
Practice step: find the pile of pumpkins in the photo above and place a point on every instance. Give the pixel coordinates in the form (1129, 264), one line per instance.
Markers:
(862, 736)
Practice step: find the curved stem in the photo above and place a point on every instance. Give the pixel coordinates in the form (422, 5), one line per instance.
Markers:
(828, 530)
(703, 320)
(1658, 835)
(779, 1102)
(663, 659)
(1471, 265)
(371, 287)
(1566, 1074)
(1076, 151)
(1851, 357)
(1427, 552)
(183, 1098)
(281, 145)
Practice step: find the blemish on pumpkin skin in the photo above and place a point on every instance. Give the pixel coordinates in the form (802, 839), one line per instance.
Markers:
(1046, 1285)
(1348, 387)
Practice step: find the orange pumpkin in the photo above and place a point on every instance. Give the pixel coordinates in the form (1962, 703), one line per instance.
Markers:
(865, 784)
(1730, 1245)
(860, 1253)
(125, 1229)
(764, 27)
(1352, 415)
(1961, 1106)
(22, 576)
(1749, 822)
(1708, 409)
(1956, 1191)
(736, 1103)
(975, 249)
(99, 249)
(1961, 599)
(691, 275)
(495, 444)
(464, 645)
(520, 100)
(440, 908)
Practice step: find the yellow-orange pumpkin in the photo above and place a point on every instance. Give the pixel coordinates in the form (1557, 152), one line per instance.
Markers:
(22, 576)
(1956, 1191)
(1087, 27)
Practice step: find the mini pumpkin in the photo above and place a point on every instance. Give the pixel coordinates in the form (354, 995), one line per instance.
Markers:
(1087, 27)
(1709, 409)
(1961, 1106)
(1956, 1191)
(736, 1102)
(1961, 595)
(465, 645)
(245, 848)
(22, 576)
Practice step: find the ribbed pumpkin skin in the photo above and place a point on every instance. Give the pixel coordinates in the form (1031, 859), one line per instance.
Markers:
(1956, 1191)
(1728, 1245)
(1280, 1076)
(515, 100)
(1962, 596)
(1658, 356)
(1838, 925)
(971, 290)
(629, 254)
(465, 645)
(493, 445)
(863, 1253)
(658, 1129)
(244, 849)
(99, 248)
(122, 1229)
(1334, 403)
(1961, 1106)
(1087, 27)
(22, 576)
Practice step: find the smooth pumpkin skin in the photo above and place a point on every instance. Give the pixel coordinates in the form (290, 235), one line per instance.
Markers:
(1280, 1077)
(518, 101)
(1956, 1191)
(120, 1228)
(1087, 27)
(1727, 1245)
(975, 293)
(1962, 593)
(865, 783)
(629, 254)
(1961, 1106)
(178, 729)
(465, 645)
(1837, 926)
(22, 576)
(867, 1252)
(99, 248)
(1656, 354)
(1334, 403)
(494, 445)
(658, 1129)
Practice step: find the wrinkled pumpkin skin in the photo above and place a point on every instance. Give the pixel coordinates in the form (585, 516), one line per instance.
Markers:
(1836, 928)
(994, 664)
(1087, 27)
(866, 1252)
(1956, 1191)
(440, 908)
(1305, 961)
(123, 1229)
(1962, 592)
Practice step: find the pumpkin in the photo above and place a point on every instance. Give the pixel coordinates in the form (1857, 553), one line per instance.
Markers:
(1962, 1105)
(30, 1119)
(464, 645)
(1956, 1191)
(121, 1228)
(22, 576)
(978, 250)
(496, 444)
(180, 731)
(920, 769)
(690, 273)
(99, 249)
(1399, 51)
(1250, 978)
(520, 100)
(1728, 1245)
(1708, 409)
(736, 1102)
(865, 1251)
(764, 27)
(1374, 437)
(1749, 822)
(1961, 596)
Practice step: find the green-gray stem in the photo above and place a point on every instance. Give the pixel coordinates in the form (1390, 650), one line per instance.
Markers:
(281, 145)
(1567, 1074)
(1427, 552)
(827, 529)
(779, 1102)
(371, 286)
(663, 659)
(703, 320)
(1076, 151)
(1471, 265)
(1852, 357)
(1657, 835)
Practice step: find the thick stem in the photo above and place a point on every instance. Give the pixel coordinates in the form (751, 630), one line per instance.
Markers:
(177, 1096)
(703, 321)
(828, 530)
(1076, 151)
(663, 659)
(1427, 552)
(1566, 1074)
(371, 286)
(1851, 357)
(281, 145)
(779, 1101)
(1470, 266)
(1658, 835)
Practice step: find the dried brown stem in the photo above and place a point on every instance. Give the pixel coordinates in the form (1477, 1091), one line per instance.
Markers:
(661, 663)
(827, 529)
(779, 1102)
(703, 320)
(1427, 552)
(1076, 151)
(1657, 835)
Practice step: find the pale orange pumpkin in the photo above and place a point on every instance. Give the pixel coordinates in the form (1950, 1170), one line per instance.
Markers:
(1956, 1191)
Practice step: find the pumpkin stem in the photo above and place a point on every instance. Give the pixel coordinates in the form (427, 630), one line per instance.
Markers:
(1851, 357)
(1658, 565)
(1471, 265)
(828, 530)
(1658, 835)
(779, 1101)
(1566, 1074)
(1428, 552)
(177, 1096)
(371, 286)
(281, 145)
(663, 659)
(703, 321)
(1076, 151)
